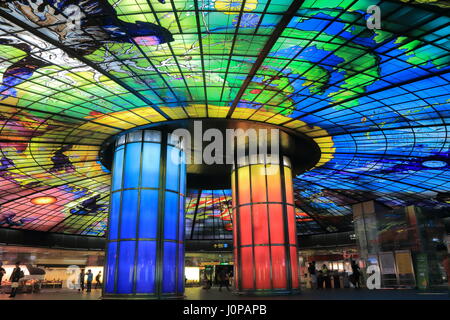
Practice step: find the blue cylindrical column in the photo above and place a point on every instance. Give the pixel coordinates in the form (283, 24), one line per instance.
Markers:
(145, 241)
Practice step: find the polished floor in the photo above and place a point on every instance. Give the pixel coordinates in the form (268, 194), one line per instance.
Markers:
(215, 294)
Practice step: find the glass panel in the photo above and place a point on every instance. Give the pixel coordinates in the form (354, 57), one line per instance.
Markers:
(146, 267)
(126, 267)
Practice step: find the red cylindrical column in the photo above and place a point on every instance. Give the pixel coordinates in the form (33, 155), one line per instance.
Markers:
(265, 242)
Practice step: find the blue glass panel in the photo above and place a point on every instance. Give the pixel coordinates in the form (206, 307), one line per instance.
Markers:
(114, 215)
(151, 165)
(181, 218)
(146, 267)
(129, 214)
(148, 215)
(132, 165)
(169, 267)
(181, 276)
(117, 169)
(183, 178)
(111, 267)
(172, 170)
(126, 267)
(171, 216)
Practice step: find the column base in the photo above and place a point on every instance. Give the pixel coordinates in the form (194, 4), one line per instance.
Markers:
(142, 297)
(264, 292)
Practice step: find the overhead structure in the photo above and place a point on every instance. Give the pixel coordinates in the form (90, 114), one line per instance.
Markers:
(376, 101)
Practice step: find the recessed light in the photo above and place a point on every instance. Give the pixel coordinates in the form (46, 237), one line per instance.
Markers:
(43, 200)
(434, 164)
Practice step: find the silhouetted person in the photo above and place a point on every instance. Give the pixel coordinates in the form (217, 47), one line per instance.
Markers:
(16, 275)
(223, 280)
(356, 274)
(90, 277)
(98, 281)
(320, 280)
(2, 273)
(326, 276)
(312, 274)
(82, 275)
(206, 283)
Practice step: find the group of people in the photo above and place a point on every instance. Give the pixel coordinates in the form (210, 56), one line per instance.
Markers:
(15, 277)
(223, 277)
(322, 278)
(89, 277)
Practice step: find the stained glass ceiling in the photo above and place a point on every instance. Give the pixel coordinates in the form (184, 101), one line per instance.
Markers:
(375, 100)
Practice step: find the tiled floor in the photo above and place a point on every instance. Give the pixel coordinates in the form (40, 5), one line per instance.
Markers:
(215, 294)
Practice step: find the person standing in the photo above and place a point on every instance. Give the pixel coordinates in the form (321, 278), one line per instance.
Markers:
(16, 275)
(356, 274)
(90, 277)
(312, 274)
(98, 280)
(82, 275)
(326, 276)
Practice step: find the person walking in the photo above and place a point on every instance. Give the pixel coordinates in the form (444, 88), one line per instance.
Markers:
(356, 275)
(312, 274)
(223, 280)
(16, 275)
(206, 282)
(90, 277)
(98, 281)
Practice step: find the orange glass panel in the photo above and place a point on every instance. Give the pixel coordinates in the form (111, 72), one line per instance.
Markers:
(288, 182)
(244, 185)
(258, 179)
(274, 187)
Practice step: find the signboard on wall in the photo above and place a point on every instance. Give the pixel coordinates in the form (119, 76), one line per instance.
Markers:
(422, 271)
(404, 262)
(387, 262)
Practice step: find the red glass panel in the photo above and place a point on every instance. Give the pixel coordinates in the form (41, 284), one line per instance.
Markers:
(276, 224)
(294, 267)
(292, 227)
(247, 267)
(260, 224)
(236, 265)
(245, 225)
(278, 267)
(262, 267)
(233, 191)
